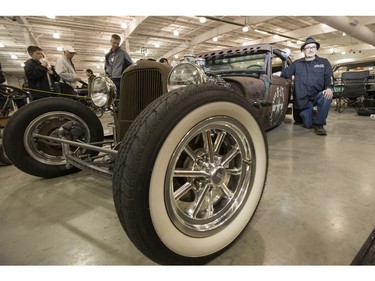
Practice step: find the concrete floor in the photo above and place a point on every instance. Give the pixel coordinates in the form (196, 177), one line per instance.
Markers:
(318, 206)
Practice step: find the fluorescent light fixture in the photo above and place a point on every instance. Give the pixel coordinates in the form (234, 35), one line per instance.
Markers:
(2, 45)
(59, 49)
(176, 33)
(245, 29)
(56, 35)
(214, 39)
(51, 17)
(202, 19)
(260, 31)
(13, 56)
(124, 25)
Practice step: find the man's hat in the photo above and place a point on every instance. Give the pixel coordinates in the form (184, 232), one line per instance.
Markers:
(70, 49)
(310, 40)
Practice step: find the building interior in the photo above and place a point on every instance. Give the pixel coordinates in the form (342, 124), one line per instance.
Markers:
(318, 205)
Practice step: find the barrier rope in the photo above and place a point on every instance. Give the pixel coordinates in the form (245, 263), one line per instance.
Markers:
(58, 94)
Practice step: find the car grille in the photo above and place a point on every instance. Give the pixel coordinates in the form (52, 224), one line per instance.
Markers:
(141, 88)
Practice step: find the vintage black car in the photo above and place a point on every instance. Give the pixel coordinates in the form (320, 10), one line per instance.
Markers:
(189, 156)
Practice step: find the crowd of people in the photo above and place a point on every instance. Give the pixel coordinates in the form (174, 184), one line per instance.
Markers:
(313, 78)
(43, 79)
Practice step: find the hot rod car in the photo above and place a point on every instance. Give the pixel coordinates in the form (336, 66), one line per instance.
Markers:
(189, 156)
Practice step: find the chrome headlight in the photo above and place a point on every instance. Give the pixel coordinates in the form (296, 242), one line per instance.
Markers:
(102, 91)
(185, 73)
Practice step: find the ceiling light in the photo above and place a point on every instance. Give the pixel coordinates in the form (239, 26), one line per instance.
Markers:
(175, 33)
(13, 56)
(56, 35)
(157, 45)
(51, 17)
(124, 25)
(59, 49)
(176, 56)
(260, 31)
(2, 45)
(214, 39)
(343, 34)
(343, 53)
(245, 29)
(202, 19)
(22, 64)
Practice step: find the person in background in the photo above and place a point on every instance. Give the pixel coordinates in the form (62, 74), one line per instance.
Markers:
(116, 61)
(2, 77)
(40, 74)
(90, 75)
(2, 80)
(65, 68)
(313, 84)
(164, 60)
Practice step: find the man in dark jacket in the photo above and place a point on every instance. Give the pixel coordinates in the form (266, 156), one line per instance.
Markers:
(313, 84)
(39, 73)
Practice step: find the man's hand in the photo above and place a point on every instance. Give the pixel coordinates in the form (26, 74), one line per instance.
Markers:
(328, 94)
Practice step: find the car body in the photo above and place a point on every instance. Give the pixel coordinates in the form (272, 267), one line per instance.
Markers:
(189, 156)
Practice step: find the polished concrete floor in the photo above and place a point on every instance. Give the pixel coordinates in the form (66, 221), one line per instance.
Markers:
(318, 207)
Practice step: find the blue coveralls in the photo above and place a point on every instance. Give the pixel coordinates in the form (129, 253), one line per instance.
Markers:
(310, 79)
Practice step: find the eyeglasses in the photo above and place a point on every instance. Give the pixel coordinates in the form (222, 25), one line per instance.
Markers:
(310, 48)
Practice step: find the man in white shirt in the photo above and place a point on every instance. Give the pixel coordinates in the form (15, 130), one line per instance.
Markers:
(65, 67)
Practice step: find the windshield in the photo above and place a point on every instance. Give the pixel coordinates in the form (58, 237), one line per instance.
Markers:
(237, 61)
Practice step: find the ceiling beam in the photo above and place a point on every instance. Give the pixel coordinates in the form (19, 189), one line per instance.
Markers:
(30, 39)
(223, 29)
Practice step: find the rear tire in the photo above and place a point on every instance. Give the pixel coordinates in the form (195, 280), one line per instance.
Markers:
(41, 158)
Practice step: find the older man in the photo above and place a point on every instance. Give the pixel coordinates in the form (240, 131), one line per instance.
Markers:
(65, 67)
(313, 86)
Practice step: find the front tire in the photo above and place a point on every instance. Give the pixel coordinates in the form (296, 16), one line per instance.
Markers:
(190, 174)
(39, 157)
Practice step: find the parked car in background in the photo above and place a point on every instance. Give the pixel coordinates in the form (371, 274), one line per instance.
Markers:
(189, 156)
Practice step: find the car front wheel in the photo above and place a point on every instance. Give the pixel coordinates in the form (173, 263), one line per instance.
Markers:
(190, 174)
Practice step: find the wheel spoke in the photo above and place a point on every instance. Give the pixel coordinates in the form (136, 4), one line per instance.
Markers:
(185, 188)
(191, 153)
(207, 139)
(201, 199)
(190, 173)
(219, 140)
(230, 155)
(226, 191)
(234, 171)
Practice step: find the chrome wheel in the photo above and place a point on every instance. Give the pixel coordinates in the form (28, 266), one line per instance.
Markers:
(48, 152)
(208, 177)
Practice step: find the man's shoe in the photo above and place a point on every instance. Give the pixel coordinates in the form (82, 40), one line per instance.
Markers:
(319, 130)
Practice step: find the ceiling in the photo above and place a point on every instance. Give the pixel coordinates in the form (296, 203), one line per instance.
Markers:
(341, 37)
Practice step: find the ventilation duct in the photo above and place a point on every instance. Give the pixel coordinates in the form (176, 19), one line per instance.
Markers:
(351, 27)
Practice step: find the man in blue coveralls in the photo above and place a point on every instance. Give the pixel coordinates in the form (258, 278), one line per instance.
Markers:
(313, 84)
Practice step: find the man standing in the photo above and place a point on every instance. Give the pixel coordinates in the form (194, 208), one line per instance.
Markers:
(65, 67)
(116, 61)
(39, 73)
(313, 86)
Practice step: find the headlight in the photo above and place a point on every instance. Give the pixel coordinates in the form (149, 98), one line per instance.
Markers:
(102, 91)
(185, 73)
